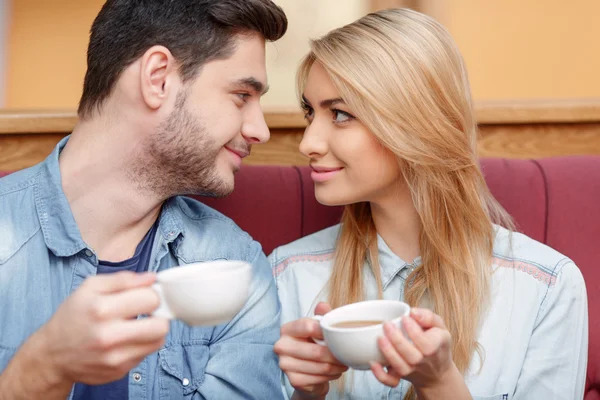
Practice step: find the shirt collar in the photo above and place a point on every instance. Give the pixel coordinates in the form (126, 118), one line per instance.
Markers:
(392, 265)
(58, 225)
(171, 225)
(61, 233)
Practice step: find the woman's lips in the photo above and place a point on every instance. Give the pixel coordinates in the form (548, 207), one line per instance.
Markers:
(323, 174)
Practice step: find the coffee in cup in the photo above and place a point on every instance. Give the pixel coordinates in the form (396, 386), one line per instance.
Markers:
(351, 331)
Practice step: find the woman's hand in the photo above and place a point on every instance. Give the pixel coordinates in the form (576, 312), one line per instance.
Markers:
(426, 362)
(308, 366)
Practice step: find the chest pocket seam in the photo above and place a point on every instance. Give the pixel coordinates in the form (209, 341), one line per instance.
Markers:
(191, 358)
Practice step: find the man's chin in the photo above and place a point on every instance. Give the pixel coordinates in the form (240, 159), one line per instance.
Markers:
(223, 188)
(219, 194)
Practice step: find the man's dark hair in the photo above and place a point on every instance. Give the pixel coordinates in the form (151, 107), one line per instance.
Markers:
(195, 31)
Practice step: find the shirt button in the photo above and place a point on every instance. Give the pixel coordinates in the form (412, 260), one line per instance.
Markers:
(185, 381)
(137, 377)
(88, 252)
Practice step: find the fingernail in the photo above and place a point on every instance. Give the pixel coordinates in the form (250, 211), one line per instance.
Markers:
(416, 313)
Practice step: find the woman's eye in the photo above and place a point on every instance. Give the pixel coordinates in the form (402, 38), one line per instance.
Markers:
(341, 116)
(308, 111)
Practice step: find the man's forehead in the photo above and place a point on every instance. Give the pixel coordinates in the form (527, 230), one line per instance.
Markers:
(245, 66)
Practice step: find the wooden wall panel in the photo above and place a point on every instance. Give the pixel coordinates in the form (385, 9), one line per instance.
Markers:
(18, 151)
(539, 140)
(512, 130)
(511, 141)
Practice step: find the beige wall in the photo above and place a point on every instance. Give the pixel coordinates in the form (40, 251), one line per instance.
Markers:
(527, 48)
(47, 57)
(4, 19)
(513, 48)
(307, 19)
(46, 54)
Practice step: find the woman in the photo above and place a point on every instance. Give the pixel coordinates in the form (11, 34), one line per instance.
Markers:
(392, 136)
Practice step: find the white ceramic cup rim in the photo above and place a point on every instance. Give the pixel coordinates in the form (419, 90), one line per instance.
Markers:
(206, 270)
(325, 325)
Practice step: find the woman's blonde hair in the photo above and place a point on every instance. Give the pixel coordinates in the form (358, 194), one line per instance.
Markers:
(403, 77)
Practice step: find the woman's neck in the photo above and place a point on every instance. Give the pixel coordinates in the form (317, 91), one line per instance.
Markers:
(398, 223)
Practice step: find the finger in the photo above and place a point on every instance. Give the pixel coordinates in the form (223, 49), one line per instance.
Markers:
(304, 381)
(119, 281)
(289, 346)
(290, 364)
(127, 304)
(405, 349)
(392, 357)
(384, 377)
(427, 318)
(322, 308)
(303, 328)
(426, 342)
(126, 358)
(134, 332)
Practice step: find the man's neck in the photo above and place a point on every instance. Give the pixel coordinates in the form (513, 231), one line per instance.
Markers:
(111, 213)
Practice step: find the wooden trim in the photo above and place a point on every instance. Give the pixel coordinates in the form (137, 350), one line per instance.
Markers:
(488, 113)
(36, 121)
(284, 119)
(538, 111)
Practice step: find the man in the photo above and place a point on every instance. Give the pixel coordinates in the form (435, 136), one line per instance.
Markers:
(170, 106)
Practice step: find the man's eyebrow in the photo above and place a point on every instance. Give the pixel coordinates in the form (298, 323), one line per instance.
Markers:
(252, 83)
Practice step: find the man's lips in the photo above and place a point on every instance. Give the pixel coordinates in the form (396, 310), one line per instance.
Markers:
(241, 153)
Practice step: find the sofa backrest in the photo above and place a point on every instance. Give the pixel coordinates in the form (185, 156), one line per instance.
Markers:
(553, 200)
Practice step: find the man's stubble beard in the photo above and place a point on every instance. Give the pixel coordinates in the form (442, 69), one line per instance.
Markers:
(179, 158)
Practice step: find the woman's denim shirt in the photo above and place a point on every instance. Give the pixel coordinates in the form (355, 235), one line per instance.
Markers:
(533, 337)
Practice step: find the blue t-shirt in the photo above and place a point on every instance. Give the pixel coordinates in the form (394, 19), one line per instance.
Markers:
(118, 390)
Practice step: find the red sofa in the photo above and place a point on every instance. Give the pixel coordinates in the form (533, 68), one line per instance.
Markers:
(553, 200)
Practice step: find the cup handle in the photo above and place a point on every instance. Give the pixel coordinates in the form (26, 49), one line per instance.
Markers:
(318, 341)
(163, 310)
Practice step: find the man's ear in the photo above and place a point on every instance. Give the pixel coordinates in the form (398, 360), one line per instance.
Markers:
(157, 76)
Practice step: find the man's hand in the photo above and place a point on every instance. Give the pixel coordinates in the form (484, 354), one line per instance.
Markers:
(93, 338)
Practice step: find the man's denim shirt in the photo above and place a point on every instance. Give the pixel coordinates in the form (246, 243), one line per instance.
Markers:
(43, 260)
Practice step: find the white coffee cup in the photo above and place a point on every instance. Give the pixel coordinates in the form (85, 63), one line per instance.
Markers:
(204, 293)
(356, 347)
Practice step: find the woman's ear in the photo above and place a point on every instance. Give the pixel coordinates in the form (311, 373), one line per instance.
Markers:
(157, 76)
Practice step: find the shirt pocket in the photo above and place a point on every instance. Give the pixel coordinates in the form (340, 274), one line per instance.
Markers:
(182, 369)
